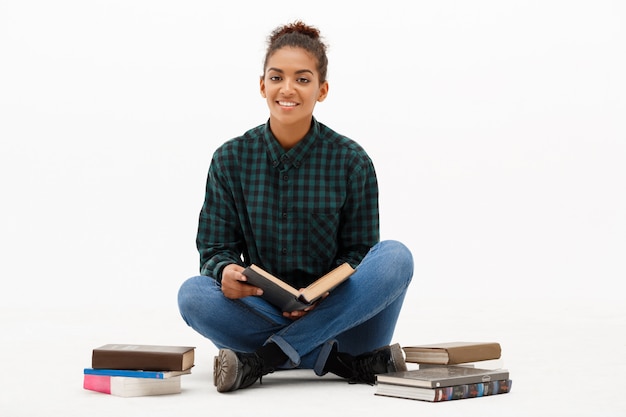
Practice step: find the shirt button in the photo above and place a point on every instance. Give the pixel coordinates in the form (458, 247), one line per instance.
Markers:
(285, 177)
(284, 214)
(284, 251)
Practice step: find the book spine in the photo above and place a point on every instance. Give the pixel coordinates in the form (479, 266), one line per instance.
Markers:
(482, 389)
(97, 383)
(147, 361)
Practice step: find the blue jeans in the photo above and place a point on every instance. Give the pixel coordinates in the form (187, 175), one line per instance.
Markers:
(359, 316)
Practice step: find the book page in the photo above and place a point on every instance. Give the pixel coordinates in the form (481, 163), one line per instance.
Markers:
(327, 282)
(282, 284)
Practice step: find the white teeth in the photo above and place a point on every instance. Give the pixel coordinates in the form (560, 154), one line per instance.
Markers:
(287, 103)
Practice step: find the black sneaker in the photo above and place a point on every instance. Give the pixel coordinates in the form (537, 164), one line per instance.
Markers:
(380, 361)
(235, 370)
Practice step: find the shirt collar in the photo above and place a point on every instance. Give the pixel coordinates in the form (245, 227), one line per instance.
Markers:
(284, 160)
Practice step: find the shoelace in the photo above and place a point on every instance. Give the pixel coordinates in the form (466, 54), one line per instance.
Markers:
(255, 370)
(363, 369)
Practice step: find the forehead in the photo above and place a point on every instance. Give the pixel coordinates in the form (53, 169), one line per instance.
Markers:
(292, 59)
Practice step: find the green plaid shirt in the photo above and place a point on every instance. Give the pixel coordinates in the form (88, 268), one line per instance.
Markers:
(296, 213)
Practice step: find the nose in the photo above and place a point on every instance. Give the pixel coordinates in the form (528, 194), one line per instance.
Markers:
(287, 87)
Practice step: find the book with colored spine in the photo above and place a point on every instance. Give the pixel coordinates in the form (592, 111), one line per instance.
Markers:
(457, 392)
(135, 373)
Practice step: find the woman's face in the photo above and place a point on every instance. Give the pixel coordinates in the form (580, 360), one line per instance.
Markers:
(291, 85)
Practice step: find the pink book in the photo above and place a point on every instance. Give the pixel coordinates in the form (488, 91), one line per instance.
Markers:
(131, 387)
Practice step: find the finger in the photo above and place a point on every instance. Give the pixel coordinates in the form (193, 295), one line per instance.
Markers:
(252, 290)
(294, 314)
(238, 289)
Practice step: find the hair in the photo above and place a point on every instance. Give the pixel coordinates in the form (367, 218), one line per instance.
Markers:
(299, 35)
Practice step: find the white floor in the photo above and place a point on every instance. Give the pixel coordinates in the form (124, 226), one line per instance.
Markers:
(497, 130)
(566, 359)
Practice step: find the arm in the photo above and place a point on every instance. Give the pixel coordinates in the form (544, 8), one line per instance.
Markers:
(219, 239)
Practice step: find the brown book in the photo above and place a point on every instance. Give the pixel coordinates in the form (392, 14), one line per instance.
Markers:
(143, 357)
(288, 298)
(452, 353)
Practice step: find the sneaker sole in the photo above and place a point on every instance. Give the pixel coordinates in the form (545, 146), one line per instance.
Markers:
(397, 357)
(225, 370)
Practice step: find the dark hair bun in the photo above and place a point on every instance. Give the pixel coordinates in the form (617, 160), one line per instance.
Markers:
(299, 35)
(295, 27)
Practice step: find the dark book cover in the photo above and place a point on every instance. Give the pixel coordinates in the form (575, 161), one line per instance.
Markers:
(143, 357)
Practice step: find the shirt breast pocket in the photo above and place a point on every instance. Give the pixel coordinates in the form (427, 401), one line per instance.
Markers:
(323, 230)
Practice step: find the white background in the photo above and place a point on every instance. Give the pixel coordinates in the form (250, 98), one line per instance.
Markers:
(497, 129)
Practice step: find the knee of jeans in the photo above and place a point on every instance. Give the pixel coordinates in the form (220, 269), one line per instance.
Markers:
(400, 258)
(182, 301)
(186, 302)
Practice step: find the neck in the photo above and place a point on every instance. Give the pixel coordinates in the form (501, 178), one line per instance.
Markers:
(288, 135)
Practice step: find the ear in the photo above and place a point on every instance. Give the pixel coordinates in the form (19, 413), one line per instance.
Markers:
(262, 86)
(323, 92)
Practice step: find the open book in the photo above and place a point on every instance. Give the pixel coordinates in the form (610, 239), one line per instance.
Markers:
(288, 298)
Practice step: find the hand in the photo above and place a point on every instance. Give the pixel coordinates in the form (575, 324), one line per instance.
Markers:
(295, 315)
(234, 283)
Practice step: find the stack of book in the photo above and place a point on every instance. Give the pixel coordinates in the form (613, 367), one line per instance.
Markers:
(127, 370)
(448, 371)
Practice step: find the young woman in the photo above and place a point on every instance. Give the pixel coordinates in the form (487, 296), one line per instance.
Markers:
(297, 199)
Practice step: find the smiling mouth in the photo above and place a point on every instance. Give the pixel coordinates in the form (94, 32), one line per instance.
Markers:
(287, 103)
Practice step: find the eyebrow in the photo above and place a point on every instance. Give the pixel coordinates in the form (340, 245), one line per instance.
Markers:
(297, 72)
